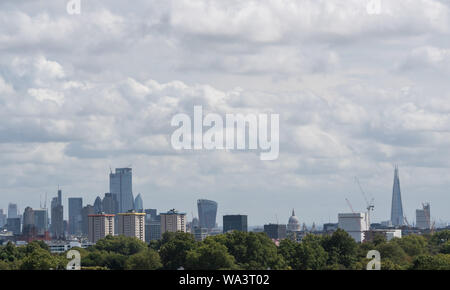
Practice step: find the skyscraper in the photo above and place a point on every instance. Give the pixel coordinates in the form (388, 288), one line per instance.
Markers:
(98, 205)
(2, 218)
(75, 206)
(207, 212)
(57, 217)
(138, 204)
(85, 213)
(397, 207)
(41, 221)
(120, 183)
(12, 211)
(110, 203)
(423, 217)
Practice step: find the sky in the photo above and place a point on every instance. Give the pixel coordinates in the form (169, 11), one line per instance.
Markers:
(356, 92)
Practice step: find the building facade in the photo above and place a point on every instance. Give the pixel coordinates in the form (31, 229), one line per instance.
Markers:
(99, 226)
(275, 231)
(173, 221)
(235, 223)
(120, 183)
(132, 224)
(75, 206)
(207, 213)
(423, 217)
(355, 224)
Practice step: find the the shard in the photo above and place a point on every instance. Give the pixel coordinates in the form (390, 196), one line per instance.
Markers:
(397, 207)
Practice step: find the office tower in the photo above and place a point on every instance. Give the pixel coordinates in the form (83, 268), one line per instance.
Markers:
(199, 233)
(275, 231)
(138, 204)
(12, 211)
(110, 203)
(28, 227)
(132, 224)
(423, 217)
(75, 206)
(2, 218)
(85, 213)
(99, 226)
(120, 183)
(41, 221)
(173, 221)
(207, 212)
(151, 214)
(13, 225)
(153, 229)
(234, 223)
(355, 224)
(397, 207)
(98, 205)
(294, 223)
(57, 217)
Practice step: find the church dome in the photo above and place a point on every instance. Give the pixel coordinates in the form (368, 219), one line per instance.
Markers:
(294, 223)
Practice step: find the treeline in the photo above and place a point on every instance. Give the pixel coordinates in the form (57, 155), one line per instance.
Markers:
(238, 250)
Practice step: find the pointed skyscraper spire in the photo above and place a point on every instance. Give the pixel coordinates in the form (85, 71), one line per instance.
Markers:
(397, 207)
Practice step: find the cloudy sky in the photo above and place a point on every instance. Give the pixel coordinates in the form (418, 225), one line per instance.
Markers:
(356, 94)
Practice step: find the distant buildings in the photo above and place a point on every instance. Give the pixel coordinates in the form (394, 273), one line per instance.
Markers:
(355, 224)
(41, 221)
(275, 231)
(98, 205)
(110, 203)
(85, 212)
(173, 221)
(235, 223)
(13, 225)
(138, 204)
(57, 217)
(75, 206)
(423, 217)
(207, 213)
(200, 233)
(152, 225)
(397, 217)
(132, 224)
(120, 183)
(12, 211)
(2, 218)
(100, 225)
(294, 223)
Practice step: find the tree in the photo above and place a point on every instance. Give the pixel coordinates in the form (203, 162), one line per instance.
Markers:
(145, 260)
(307, 255)
(252, 250)
(120, 245)
(174, 248)
(210, 255)
(341, 248)
(428, 262)
(394, 253)
(413, 245)
(445, 248)
(40, 259)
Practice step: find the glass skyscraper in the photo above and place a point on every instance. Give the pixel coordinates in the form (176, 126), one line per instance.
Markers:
(75, 206)
(120, 183)
(207, 213)
(397, 207)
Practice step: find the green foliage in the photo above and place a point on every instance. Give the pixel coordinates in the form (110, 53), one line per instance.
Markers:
(341, 248)
(210, 255)
(252, 250)
(413, 245)
(174, 248)
(145, 260)
(307, 255)
(428, 262)
(120, 245)
(40, 259)
(445, 248)
(393, 252)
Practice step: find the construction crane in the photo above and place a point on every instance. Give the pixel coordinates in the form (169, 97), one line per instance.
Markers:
(369, 205)
(406, 221)
(349, 205)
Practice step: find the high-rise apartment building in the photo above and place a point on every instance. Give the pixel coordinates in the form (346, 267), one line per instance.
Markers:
(173, 221)
(75, 206)
(120, 183)
(132, 224)
(207, 213)
(234, 223)
(99, 226)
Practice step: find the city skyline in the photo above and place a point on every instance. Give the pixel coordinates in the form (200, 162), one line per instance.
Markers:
(356, 92)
